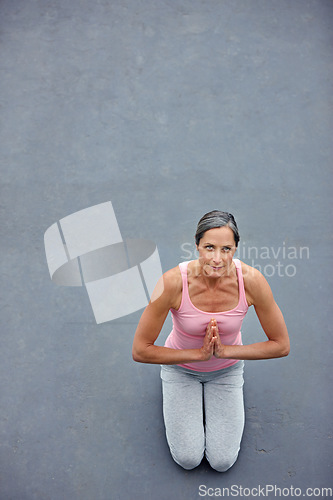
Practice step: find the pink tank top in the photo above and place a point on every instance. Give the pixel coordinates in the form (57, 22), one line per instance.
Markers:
(190, 323)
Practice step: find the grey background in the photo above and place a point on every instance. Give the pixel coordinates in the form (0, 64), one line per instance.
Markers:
(169, 109)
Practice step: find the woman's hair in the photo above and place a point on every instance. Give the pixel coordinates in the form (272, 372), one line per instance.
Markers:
(214, 219)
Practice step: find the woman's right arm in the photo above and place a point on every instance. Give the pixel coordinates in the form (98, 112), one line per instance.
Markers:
(144, 349)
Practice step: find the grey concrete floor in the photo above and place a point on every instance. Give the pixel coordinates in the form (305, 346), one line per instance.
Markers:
(169, 109)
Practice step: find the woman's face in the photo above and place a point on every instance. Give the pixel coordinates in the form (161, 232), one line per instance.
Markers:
(216, 250)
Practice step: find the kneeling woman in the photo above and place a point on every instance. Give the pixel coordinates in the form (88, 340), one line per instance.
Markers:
(202, 359)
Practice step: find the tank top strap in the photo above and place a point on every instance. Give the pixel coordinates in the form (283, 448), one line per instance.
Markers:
(183, 270)
(241, 286)
(185, 296)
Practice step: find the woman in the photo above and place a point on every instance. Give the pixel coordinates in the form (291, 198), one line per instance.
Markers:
(202, 359)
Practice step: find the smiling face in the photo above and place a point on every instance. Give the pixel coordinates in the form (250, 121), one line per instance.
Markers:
(216, 250)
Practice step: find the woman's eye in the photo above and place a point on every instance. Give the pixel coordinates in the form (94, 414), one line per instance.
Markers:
(226, 249)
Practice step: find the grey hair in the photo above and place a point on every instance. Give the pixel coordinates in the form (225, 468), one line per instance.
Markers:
(214, 219)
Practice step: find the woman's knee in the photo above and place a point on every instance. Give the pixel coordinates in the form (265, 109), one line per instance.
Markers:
(187, 460)
(221, 463)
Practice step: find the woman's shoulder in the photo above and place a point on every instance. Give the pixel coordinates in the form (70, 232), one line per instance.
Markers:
(173, 278)
(169, 288)
(254, 282)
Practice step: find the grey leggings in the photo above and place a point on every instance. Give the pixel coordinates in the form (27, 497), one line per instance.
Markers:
(203, 414)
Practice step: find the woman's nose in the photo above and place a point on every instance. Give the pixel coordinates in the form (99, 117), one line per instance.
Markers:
(217, 256)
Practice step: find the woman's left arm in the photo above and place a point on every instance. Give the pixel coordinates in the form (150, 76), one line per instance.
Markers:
(271, 320)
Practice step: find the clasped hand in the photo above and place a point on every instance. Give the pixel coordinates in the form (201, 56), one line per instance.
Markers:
(212, 343)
